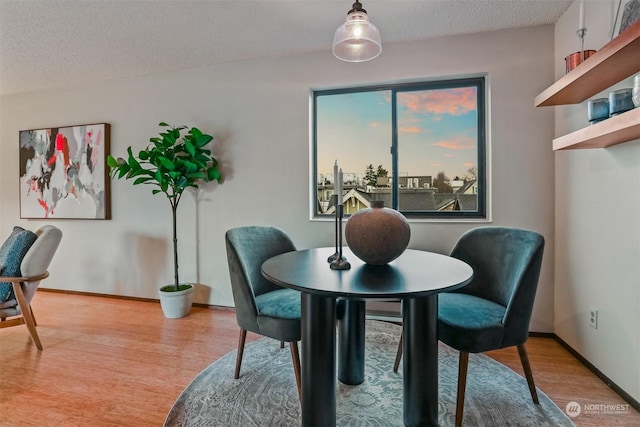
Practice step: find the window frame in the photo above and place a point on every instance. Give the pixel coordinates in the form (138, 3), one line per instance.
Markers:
(479, 82)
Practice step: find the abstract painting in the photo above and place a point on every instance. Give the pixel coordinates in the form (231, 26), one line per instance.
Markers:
(63, 172)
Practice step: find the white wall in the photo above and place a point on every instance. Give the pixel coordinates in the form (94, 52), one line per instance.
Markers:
(597, 217)
(258, 112)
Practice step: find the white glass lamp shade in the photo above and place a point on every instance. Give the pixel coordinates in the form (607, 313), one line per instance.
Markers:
(357, 39)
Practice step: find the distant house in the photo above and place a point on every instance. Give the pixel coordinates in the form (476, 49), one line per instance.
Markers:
(415, 195)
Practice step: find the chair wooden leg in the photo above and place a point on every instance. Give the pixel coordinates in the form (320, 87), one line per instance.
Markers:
(281, 344)
(33, 316)
(29, 320)
(295, 356)
(462, 385)
(241, 340)
(396, 364)
(524, 358)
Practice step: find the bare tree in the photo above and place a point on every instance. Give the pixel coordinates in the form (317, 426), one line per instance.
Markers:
(472, 174)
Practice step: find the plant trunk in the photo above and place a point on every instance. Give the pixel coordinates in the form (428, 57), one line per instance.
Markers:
(174, 209)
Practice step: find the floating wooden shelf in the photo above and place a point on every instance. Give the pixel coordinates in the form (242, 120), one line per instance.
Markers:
(615, 61)
(615, 130)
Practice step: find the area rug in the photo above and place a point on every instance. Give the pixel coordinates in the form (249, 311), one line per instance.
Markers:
(266, 393)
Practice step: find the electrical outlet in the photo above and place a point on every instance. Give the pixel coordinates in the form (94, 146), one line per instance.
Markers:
(593, 318)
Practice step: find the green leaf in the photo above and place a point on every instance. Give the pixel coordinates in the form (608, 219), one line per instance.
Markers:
(168, 138)
(141, 180)
(190, 166)
(166, 163)
(197, 175)
(132, 161)
(123, 172)
(203, 140)
(190, 148)
(197, 133)
(138, 172)
(213, 173)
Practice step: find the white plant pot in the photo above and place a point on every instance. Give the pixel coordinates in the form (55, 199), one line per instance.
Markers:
(176, 304)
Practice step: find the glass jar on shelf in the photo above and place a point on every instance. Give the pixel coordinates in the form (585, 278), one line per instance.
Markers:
(636, 91)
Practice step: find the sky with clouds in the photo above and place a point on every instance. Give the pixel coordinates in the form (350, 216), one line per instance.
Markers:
(437, 131)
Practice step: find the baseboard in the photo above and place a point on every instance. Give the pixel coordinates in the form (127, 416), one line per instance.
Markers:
(626, 396)
(542, 334)
(95, 294)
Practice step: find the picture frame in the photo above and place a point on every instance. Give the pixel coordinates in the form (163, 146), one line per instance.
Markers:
(64, 173)
(625, 14)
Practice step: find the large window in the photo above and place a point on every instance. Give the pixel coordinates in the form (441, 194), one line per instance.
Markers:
(419, 147)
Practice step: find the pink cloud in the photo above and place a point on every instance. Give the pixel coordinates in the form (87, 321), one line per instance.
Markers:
(410, 129)
(445, 101)
(463, 143)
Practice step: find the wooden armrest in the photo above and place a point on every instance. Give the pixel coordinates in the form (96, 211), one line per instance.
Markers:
(25, 279)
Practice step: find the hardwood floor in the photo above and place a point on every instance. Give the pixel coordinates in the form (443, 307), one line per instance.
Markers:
(116, 362)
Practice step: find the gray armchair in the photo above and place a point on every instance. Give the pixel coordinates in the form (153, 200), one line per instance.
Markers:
(262, 307)
(24, 259)
(493, 311)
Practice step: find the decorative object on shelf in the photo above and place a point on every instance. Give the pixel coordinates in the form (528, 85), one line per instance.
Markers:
(337, 261)
(576, 58)
(63, 173)
(171, 163)
(357, 40)
(598, 110)
(377, 235)
(614, 62)
(620, 101)
(636, 91)
(630, 15)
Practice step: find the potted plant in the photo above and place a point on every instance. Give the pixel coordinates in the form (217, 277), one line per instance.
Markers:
(171, 163)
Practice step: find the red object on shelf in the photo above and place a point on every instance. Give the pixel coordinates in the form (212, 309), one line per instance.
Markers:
(576, 58)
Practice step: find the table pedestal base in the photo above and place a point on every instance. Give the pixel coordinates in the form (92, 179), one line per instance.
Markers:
(351, 318)
(318, 369)
(420, 361)
(420, 357)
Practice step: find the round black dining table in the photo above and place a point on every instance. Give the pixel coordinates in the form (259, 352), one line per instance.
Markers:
(338, 296)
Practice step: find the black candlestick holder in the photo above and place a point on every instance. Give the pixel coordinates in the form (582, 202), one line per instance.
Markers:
(336, 254)
(339, 262)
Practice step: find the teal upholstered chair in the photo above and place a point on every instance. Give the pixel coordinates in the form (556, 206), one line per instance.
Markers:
(262, 307)
(24, 259)
(493, 311)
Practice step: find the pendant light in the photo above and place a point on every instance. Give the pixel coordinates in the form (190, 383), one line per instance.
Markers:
(357, 40)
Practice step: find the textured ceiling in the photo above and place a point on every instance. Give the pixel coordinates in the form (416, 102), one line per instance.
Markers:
(48, 44)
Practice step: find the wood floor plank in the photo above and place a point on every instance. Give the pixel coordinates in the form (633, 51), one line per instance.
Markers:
(111, 362)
